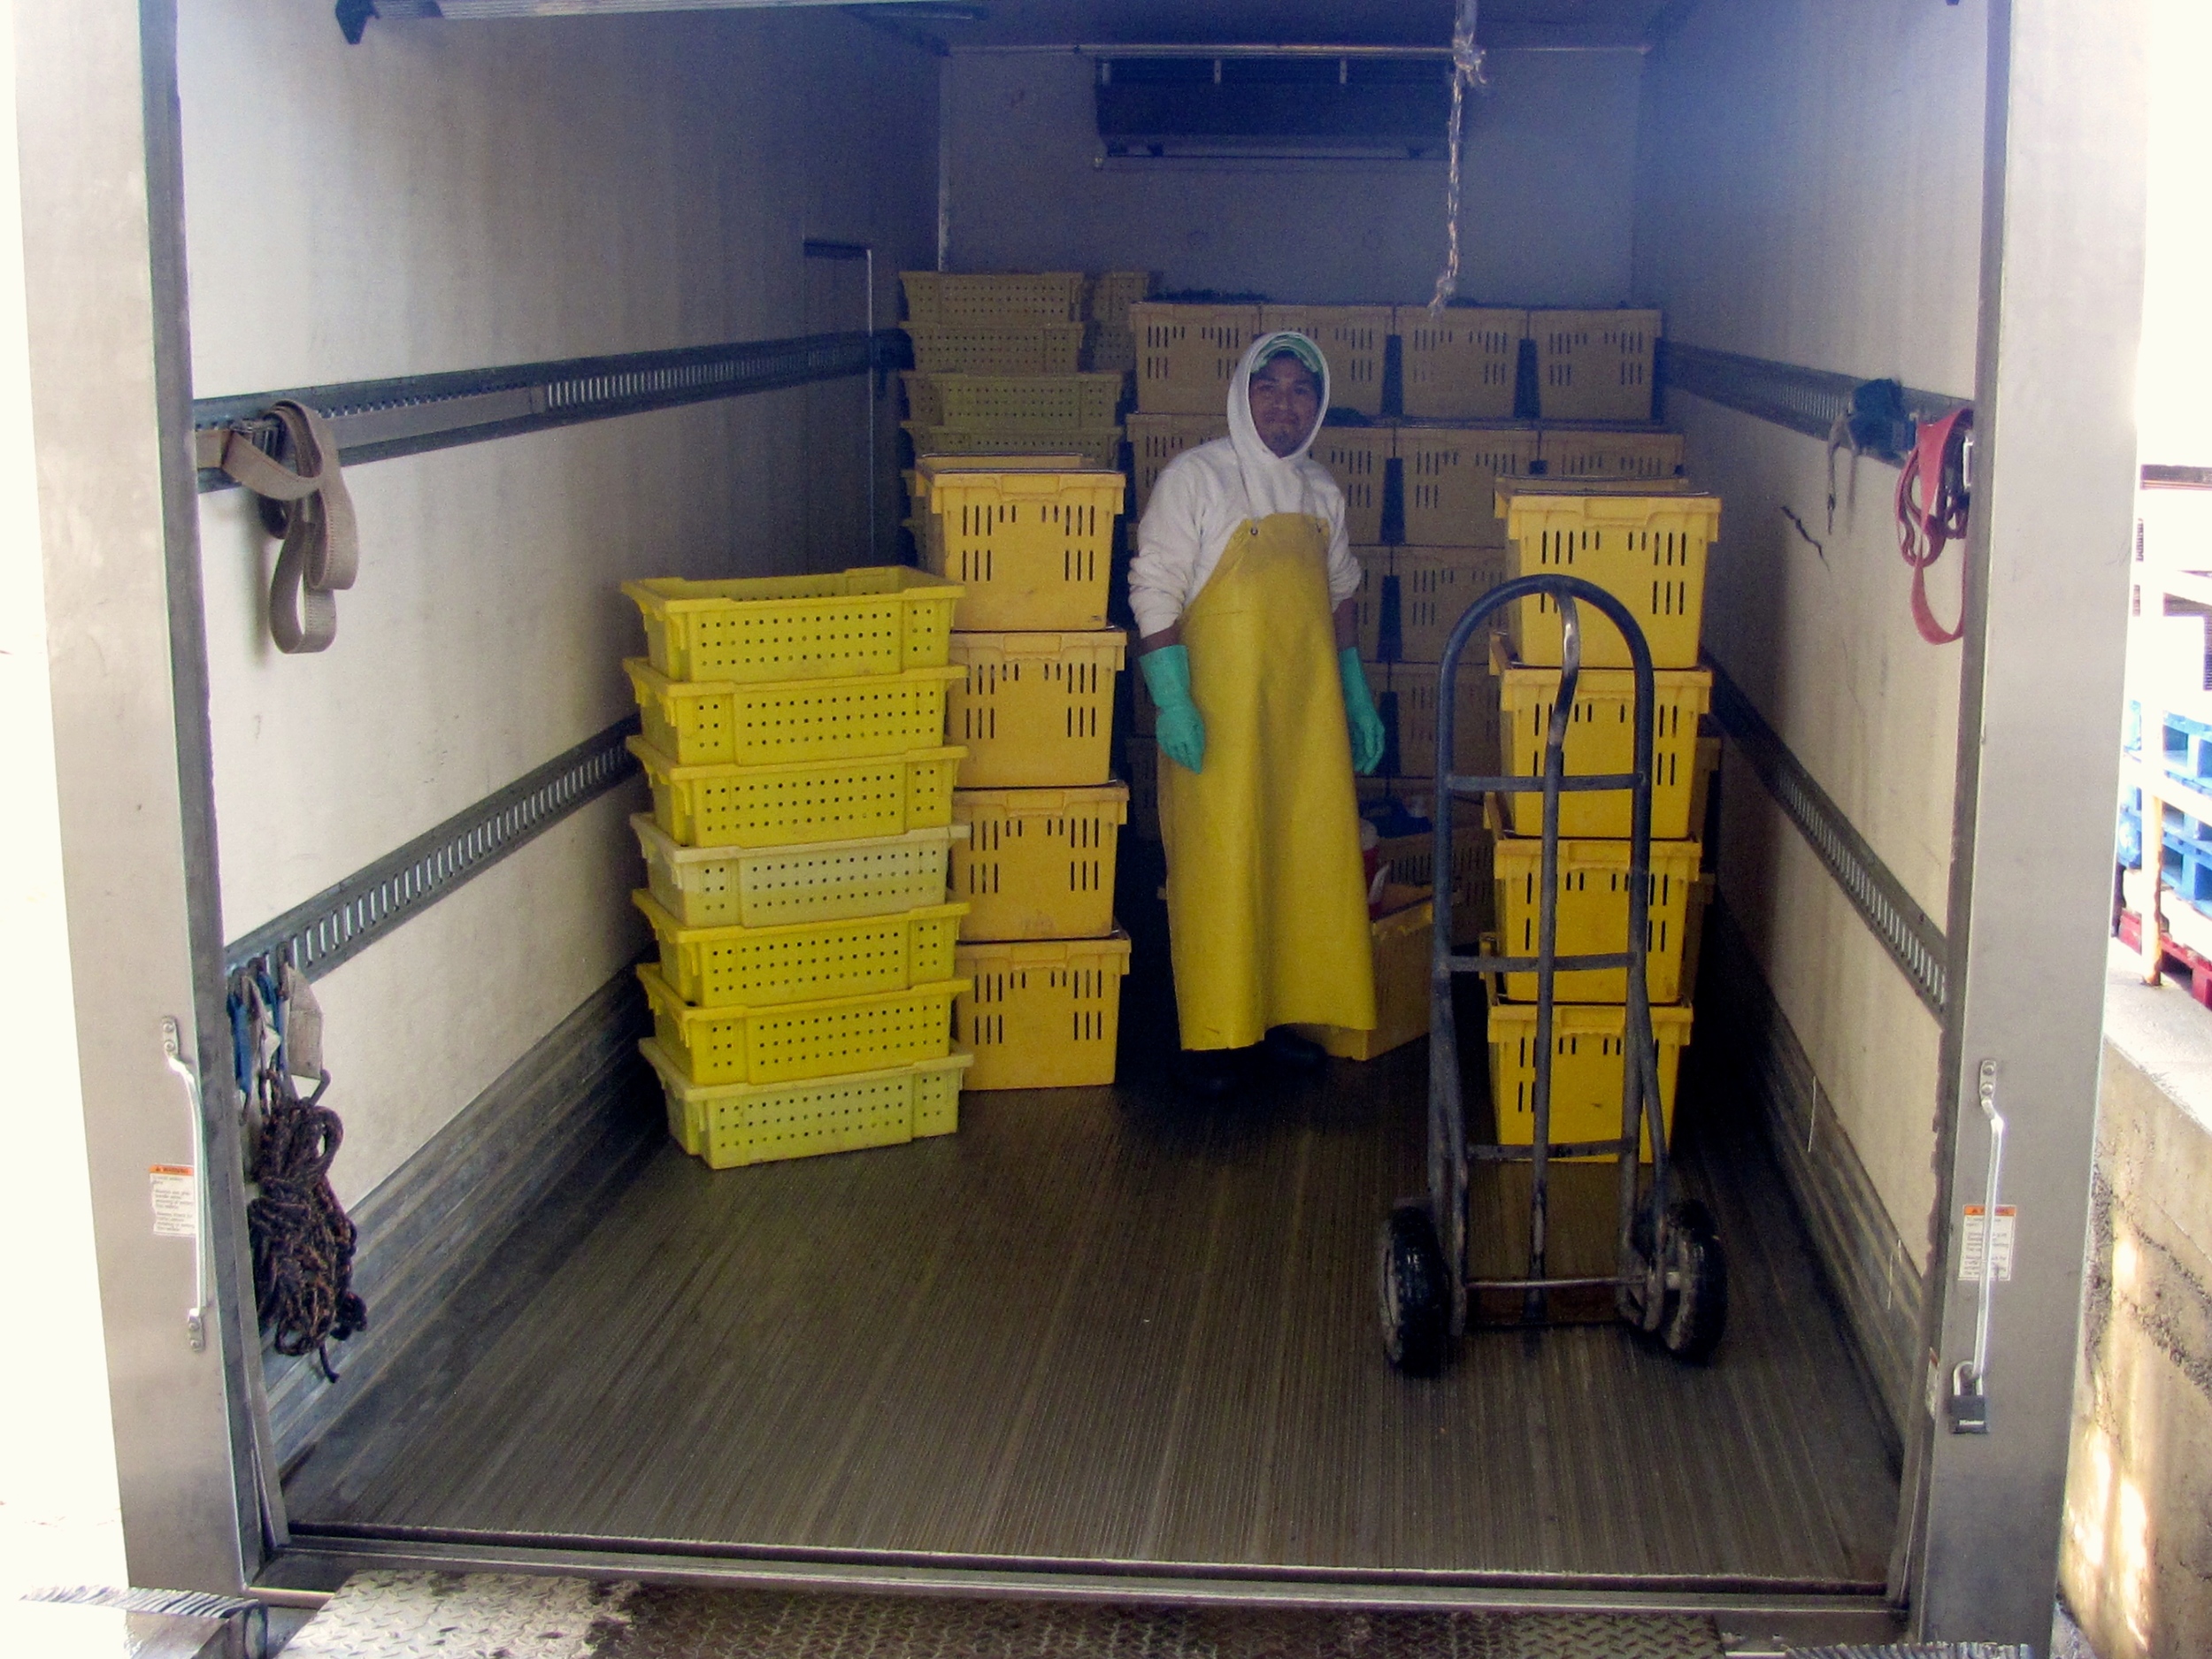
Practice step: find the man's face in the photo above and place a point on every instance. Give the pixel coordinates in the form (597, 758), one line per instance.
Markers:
(1285, 401)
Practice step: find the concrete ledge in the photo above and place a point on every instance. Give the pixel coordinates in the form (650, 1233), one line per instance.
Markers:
(2137, 1560)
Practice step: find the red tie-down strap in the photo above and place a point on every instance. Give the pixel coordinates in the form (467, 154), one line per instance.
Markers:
(1932, 510)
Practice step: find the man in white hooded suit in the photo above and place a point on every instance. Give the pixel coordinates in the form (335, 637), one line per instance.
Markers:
(1242, 587)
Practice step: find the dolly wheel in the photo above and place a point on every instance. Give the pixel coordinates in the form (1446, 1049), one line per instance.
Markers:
(1416, 1308)
(1697, 1284)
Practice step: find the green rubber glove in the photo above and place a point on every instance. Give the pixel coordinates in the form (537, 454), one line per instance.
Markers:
(1182, 729)
(1359, 713)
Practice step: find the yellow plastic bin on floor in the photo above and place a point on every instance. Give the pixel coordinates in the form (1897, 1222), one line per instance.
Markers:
(813, 882)
(1035, 709)
(792, 1041)
(1401, 981)
(1593, 914)
(729, 1125)
(1647, 551)
(879, 620)
(1602, 738)
(1030, 549)
(710, 722)
(1585, 1070)
(803, 962)
(1040, 1013)
(800, 801)
(1038, 863)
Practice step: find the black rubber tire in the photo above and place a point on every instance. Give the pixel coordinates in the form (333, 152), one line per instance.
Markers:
(1415, 1305)
(1696, 1313)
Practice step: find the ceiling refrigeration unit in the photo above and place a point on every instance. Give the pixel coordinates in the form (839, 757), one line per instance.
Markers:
(1303, 104)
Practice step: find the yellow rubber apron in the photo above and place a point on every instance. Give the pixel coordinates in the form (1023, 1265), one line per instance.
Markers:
(1267, 908)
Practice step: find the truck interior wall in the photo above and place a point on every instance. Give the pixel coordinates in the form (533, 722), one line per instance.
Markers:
(455, 196)
(1550, 176)
(1809, 191)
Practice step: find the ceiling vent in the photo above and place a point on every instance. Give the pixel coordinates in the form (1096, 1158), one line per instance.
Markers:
(1305, 106)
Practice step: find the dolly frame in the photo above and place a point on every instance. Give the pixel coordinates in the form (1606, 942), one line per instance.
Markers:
(1640, 1281)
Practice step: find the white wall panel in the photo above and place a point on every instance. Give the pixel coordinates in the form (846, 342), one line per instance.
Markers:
(460, 195)
(1810, 190)
(1548, 188)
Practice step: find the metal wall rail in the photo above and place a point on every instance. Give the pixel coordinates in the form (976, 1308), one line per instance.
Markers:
(1906, 932)
(374, 420)
(341, 921)
(1809, 401)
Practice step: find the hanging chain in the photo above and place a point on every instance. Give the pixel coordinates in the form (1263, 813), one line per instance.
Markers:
(1466, 71)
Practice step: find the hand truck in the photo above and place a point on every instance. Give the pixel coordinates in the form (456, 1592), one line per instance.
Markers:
(1671, 1279)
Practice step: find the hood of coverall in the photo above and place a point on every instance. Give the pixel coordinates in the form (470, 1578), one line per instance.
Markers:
(1274, 483)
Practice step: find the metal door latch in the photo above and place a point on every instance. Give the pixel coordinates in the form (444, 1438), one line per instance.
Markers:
(1968, 1403)
(173, 1056)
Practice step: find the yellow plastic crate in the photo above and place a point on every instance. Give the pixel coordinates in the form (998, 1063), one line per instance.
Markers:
(1594, 364)
(1038, 863)
(729, 1125)
(1593, 914)
(1452, 477)
(791, 1042)
(1040, 1013)
(881, 620)
(1036, 710)
(800, 801)
(1035, 402)
(1602, 738)
(1187, 355)
(1435, 587)
(1012, 348)
(1155, 439)
(818, 881)
(1610, 452)
(803, 962)
(1091, 446)
(710, 722)
(1358, 458)
(1461, 365)
(1355, 339)
(1413, 689)
(995, 299)
(1032, 548)
(1401, 943)
(1587, 1042)
(1647, 551)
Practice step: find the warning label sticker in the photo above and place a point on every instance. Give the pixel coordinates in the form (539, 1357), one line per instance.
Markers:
(1976, 1238)
(176, 1201)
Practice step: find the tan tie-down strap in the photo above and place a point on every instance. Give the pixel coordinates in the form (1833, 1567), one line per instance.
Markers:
(321, 549)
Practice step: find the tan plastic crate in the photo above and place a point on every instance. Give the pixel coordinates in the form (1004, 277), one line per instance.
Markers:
(1354, 338)
(1108, 350)
(1610, 452)
(1435, 588)
(1460, 365)
(1413, 687)
(1155, 439)
(1451, 476)
(1111, 293)
(1594, 366)
(1042, 404)
(1187, 355)
(1022, 349)
(1358, 458)
(939, 299)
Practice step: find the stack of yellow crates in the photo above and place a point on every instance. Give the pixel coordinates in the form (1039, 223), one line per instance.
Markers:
(796, 857)
(1110, 343)
(1030, 542)
(1650, 551)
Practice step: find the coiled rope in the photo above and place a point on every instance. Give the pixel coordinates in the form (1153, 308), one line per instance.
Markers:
(1466, 71)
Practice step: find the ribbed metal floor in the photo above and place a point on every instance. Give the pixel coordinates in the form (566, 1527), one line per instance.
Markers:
(1105, 1325)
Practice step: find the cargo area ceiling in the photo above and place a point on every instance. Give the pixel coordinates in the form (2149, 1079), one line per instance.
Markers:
(1504, 23)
